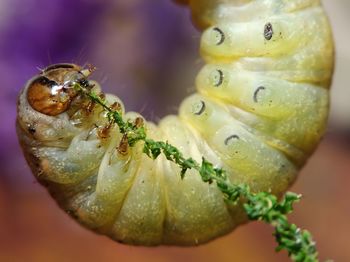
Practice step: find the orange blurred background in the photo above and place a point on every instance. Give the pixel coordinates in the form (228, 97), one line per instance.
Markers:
(147, 53)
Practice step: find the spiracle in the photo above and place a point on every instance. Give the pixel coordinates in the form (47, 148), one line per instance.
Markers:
(260, 110)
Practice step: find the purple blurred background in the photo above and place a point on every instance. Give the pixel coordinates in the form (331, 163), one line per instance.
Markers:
(147, 54)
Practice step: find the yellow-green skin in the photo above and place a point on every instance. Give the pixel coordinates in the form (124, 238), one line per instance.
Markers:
(263, 116)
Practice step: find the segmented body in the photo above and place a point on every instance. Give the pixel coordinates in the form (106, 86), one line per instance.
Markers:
(260, 110)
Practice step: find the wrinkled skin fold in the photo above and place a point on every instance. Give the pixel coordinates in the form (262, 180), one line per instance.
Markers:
(260, 110)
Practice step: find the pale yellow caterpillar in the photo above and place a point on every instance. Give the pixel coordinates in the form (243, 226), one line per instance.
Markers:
(260, 110)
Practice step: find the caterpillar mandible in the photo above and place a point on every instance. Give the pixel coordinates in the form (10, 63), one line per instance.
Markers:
(260, 111)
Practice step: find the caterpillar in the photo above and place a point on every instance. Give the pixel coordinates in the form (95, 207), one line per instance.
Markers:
(260, 109)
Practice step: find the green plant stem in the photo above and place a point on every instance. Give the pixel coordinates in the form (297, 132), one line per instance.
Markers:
(260, 206)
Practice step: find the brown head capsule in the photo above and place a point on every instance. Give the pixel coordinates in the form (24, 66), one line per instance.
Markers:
(52, 91)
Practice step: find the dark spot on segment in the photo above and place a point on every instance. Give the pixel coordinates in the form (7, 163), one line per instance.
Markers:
(221, 78)
(31, 129)
(268, 31)
(202, 109)
(257, 92)
(222, 35)
(227, 140)
(40, 173)
(283, 168)
(72, 213)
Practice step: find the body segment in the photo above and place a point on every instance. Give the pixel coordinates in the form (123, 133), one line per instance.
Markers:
(260, 110)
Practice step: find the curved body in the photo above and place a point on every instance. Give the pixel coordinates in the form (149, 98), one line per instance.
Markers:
(260, 111)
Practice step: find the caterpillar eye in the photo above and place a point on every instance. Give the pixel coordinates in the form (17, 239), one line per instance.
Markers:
(52, 92)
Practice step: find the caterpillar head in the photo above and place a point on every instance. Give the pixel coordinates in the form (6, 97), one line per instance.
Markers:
(49, 106)
(52, 92)
(52, 109)
(55, 118)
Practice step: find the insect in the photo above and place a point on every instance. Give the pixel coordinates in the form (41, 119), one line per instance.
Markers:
(260, 110)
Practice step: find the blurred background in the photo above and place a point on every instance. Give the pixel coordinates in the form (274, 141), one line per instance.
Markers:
(147, 53)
